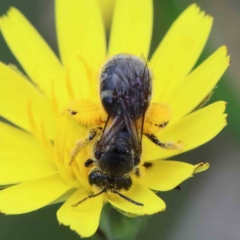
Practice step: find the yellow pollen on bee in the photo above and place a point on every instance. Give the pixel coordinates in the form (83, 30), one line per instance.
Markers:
(157, 117)
(85, 112)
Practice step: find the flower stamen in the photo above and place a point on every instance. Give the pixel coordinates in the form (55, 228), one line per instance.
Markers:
(68, 84)
(40, 134)
(53, 99)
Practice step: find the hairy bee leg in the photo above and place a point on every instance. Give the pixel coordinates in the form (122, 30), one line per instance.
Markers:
(82, 143)
(136, 161)
(168, 145)
(137, 172)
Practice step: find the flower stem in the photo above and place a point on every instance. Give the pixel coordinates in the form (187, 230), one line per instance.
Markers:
(115, 226)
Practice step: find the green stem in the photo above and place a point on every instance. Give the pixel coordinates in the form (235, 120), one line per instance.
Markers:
(115, 226)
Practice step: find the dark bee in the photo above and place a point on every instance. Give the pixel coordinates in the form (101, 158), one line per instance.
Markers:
(125, 90)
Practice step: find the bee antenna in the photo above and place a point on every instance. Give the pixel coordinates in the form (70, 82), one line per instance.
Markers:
(128, 199)
(90, 196)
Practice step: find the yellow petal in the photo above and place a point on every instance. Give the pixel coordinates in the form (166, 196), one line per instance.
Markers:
(192, 131)
(152, 203)
(17, 143)
(79, 79)
(32, 195)
(19, 169)
(84, 218)
(180, 49)
(201, 167)
(80, 31)
(33, 53)
(131, 27)
(22, 157)
(16, 92)
(198, 84)
(166, 175)
(70, 132)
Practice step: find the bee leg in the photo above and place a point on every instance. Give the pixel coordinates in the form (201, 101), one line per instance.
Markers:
(136, 161)
(137, 172)
(169, 145)
(82, 143)
(88, 162)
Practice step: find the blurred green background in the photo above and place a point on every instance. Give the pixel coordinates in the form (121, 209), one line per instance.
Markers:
(209, 205)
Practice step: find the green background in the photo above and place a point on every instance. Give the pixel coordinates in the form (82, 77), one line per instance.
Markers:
(208, 207)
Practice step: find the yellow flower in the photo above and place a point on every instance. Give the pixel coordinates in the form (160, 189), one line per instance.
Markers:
(35, 155)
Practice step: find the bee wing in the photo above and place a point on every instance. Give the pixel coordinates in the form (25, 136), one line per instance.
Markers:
(116, 123)
(112, 126)
(134, 127)
(141, 98)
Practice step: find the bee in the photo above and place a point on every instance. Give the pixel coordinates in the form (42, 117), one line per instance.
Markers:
(125, 91)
